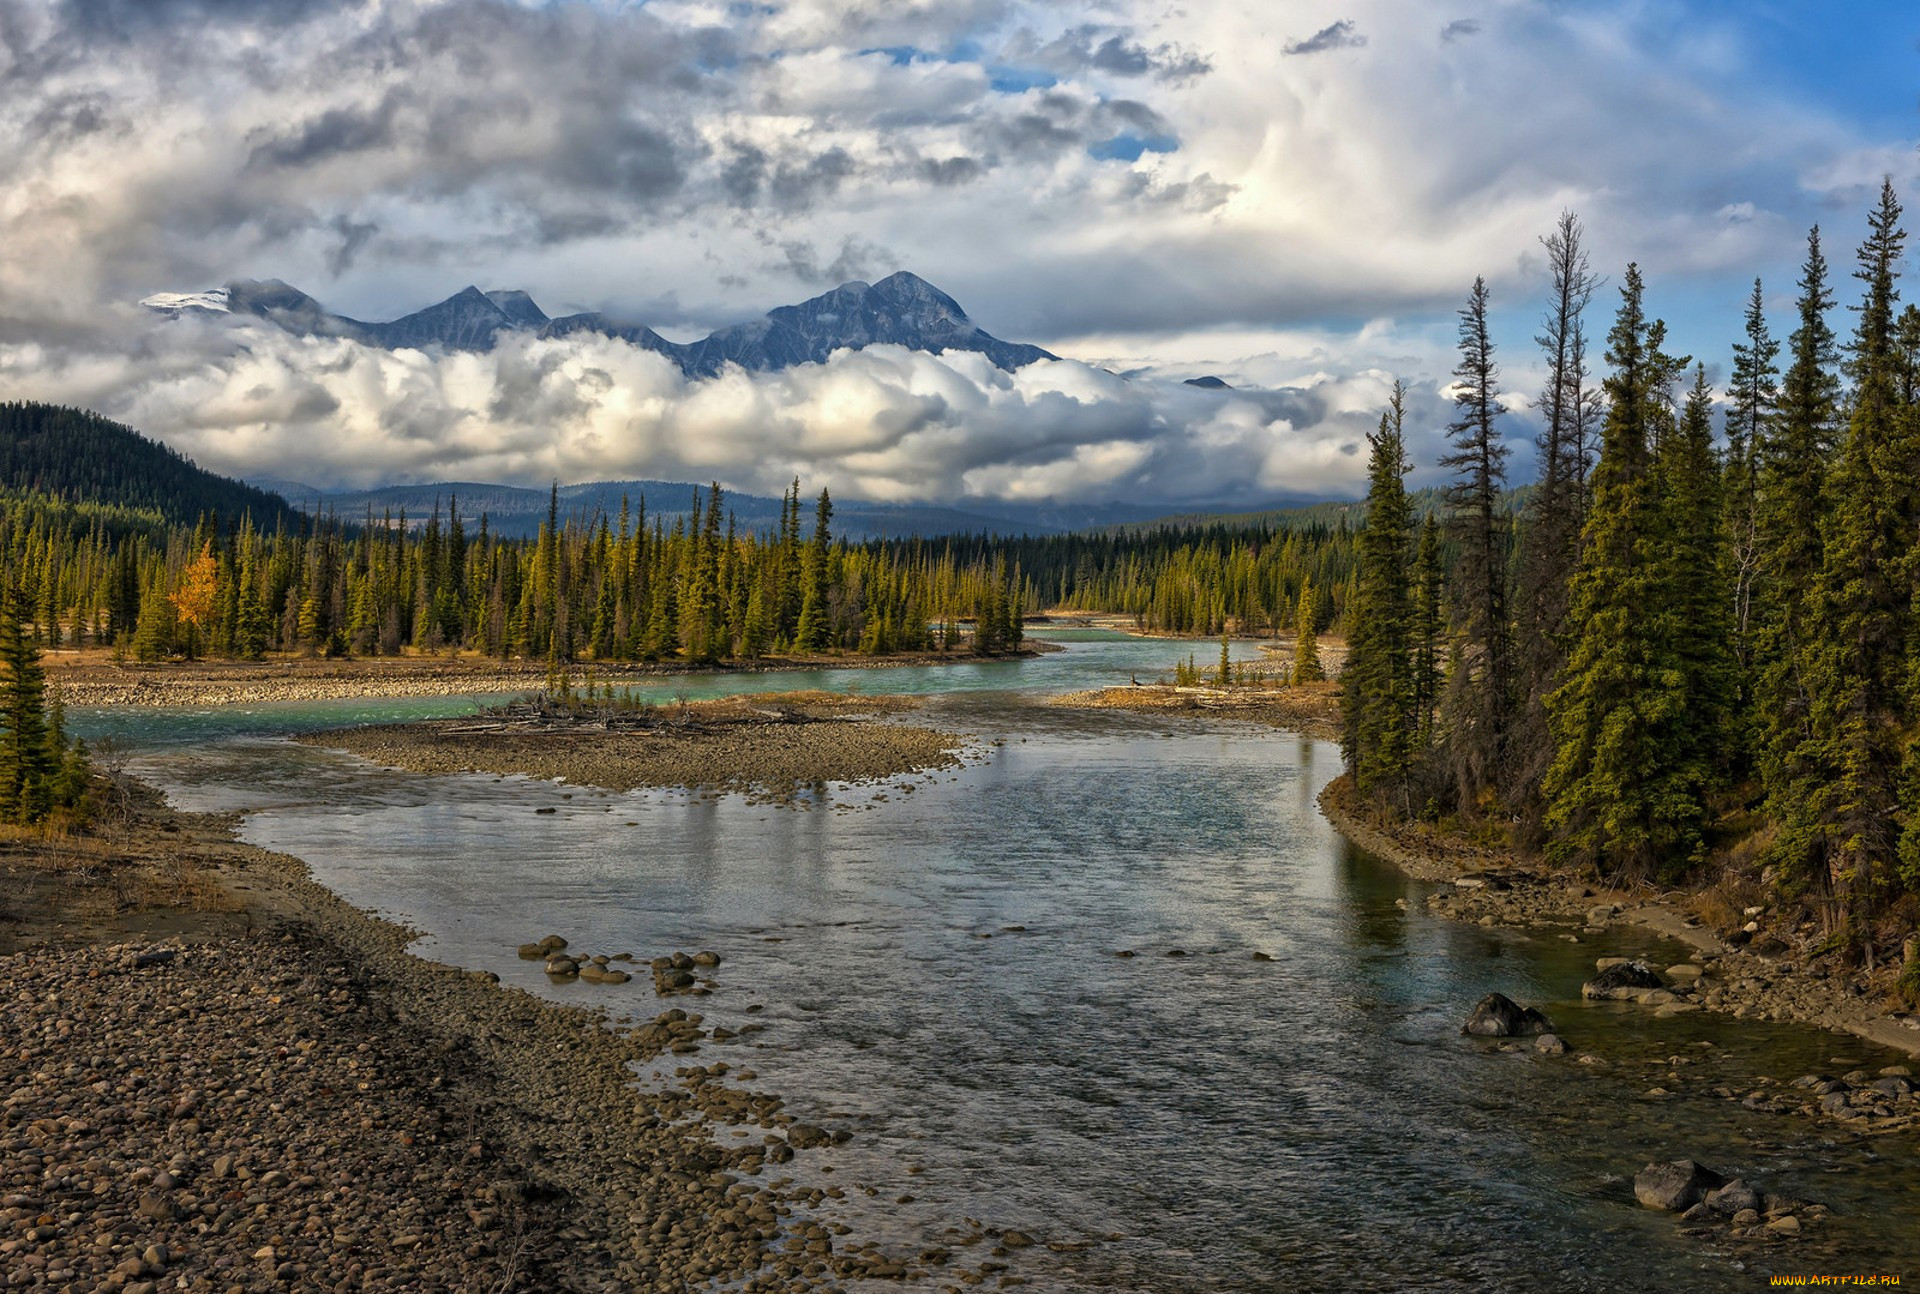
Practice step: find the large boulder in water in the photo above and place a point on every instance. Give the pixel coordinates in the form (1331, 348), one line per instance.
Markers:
(1498, 1016)
(1626, 981)
(1675, 1186)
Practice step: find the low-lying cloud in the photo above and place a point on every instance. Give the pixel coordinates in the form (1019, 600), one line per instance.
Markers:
(884, 423)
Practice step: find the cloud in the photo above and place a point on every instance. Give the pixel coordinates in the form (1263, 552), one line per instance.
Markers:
(1092, 47)
(1103, 177)
(883, 423)
(1337, 35)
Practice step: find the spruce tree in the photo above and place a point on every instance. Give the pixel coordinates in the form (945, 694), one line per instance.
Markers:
(1750, 407)
(1306, 646)
(1551, 522)
(1698, 596)
(1376, 683)
(1863, 632)
(1619, 793)
(1429, 630)
(29, 758)
(1790, 510)
(1481, 694)
(814, 629)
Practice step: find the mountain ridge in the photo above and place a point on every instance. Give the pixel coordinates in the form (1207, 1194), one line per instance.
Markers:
(902, 309)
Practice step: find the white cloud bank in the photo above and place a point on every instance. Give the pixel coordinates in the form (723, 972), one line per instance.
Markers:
(883, 423)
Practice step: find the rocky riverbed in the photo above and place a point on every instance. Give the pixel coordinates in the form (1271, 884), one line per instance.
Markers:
(277, 1095)
(769, 746)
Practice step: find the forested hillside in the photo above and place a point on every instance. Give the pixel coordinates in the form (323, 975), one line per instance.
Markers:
(1691, 658)
(99, 469)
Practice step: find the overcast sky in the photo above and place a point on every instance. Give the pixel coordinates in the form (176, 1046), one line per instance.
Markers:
(1295, 197)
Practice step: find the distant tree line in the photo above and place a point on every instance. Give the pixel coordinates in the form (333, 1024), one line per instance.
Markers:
(1681, 643)
(692, 589)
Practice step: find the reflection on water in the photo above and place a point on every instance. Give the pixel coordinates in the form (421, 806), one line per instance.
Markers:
(937, 971)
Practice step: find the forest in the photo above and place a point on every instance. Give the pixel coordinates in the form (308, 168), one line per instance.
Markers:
(1688, 657)
(192, 565)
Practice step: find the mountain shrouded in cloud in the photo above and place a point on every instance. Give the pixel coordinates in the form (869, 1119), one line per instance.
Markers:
(1166, 192)
(902, 310)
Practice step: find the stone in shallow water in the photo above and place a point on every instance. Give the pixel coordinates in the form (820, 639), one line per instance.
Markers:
(1628, 980)
(1498, 1016)
(1676, 1185)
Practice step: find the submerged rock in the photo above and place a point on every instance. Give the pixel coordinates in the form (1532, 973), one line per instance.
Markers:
(1498, 1016)
(1627, 981)
(1675, 1186)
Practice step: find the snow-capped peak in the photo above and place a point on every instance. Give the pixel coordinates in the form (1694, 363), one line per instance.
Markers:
(212, 299)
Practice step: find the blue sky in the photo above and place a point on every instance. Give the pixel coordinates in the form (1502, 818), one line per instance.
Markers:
(1293, 197)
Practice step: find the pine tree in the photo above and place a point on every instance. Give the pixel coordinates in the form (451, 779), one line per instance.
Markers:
(1554, 515)
(1306, 646)
(1481, 695)
(815, 628)
(1750, 407)
(1429, 630)
(1863, 633)
(1377, 684)
(1698, 592)
(29, 758)
(1791, 506)
(1618, 793)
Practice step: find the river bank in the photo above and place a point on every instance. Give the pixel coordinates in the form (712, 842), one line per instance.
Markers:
(220, 1075)
(767, 745)
(94, 679)
(1312, 709)
(1737, 967)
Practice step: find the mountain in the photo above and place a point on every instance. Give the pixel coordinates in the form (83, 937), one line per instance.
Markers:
(902, 309)
(517, 512)
(82, 458)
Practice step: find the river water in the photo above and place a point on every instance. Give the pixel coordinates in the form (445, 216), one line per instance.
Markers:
(934, 962)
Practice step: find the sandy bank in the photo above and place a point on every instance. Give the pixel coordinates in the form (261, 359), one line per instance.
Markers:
(1747, 976)
(767, 745)
(1312, 708)
(257, 1087)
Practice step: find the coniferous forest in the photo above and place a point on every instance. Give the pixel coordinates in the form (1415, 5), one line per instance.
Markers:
(197, 566)
(1686, 654)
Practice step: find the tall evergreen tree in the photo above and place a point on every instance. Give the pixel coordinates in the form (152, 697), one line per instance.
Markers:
(1429, 629)
(1306, 643)
(1858, 669)
(1555, 513)
(1750, 407)
(1376, 684)
(29, 759)
(1619, 794)
(1698, 595)
(1480, 695)
(815, 628)
(1790, 510)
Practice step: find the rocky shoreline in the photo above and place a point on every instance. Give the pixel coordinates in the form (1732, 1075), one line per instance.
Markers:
(1747, 972)
(278, 1094)
(768, 746)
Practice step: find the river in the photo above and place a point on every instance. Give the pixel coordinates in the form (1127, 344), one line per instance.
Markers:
(935, 966)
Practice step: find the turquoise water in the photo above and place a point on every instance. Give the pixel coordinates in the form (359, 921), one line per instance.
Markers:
(1094, 658)
(1201, 1122)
